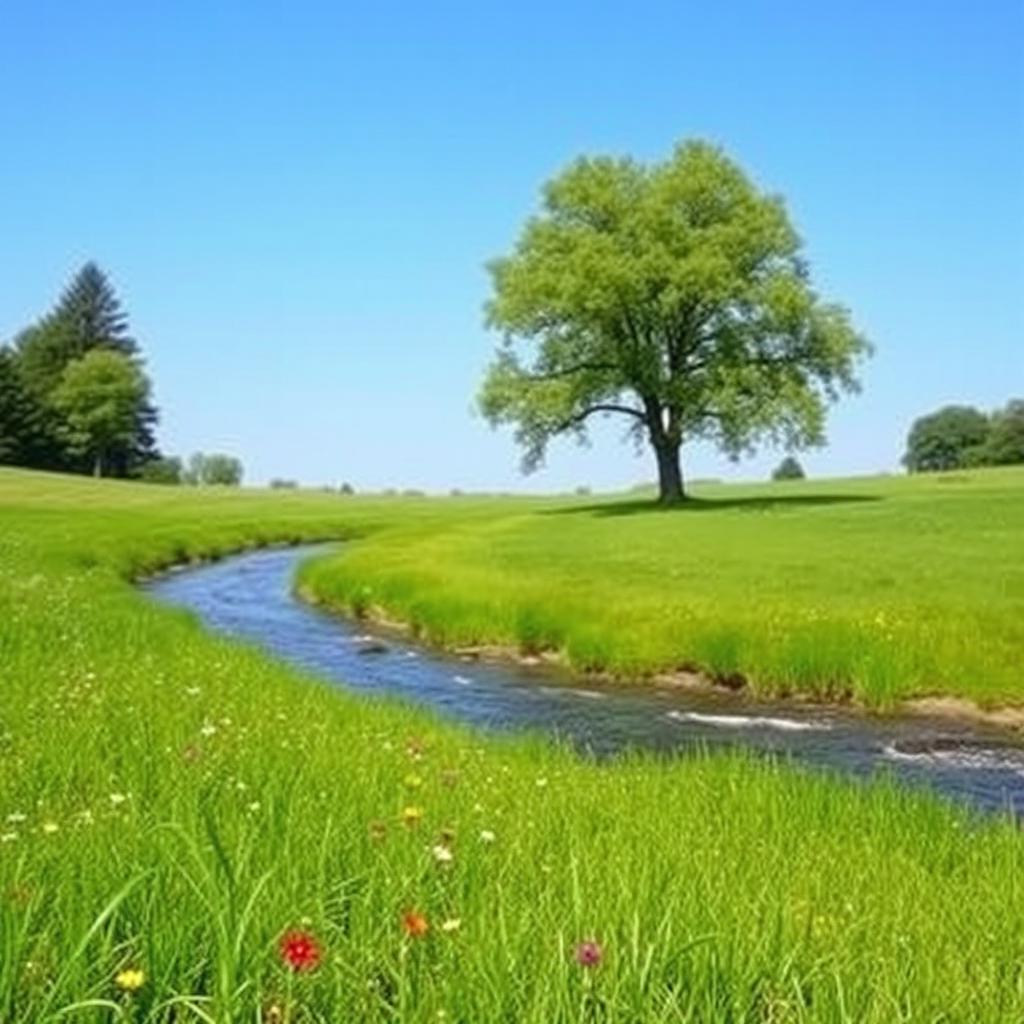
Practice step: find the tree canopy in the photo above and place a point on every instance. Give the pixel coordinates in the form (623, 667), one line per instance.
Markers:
(213, 469)
(788, 469)
(1005, 444)
(100, 396)
(673, 295)
(950, 438)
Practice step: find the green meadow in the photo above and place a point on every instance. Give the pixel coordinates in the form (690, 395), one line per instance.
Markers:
(877, 589)
(173, 803)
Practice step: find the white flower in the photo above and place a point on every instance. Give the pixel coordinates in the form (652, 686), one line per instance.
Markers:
(542, 782)
(254, 806)
(49, 827)
(15, 817)
(8, 837)
(453, 924)
(117, 799)
(487, 836)
(442, 854)
(208, 729)
(193, 691)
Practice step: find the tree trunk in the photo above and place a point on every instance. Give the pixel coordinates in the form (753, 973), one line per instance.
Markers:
(97, 466)
(670, 474)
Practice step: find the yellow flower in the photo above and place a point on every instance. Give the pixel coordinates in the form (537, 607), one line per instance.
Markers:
(130, 980)
(412, 816)
(413, 781)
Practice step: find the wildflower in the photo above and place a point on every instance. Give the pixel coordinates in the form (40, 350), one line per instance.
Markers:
(541, 783)
(299, 950)
(117, 799)
(15, 818)
(453, 924)
(413, 781)
(378, 831)
(415, 747)
(208, 729)
(589, 953)
(191, 753)
(447, 836)
(254, 807)
(442, 854)
(193, 691)
(412, 816)
(414, 924)
(130, 980)
(49, 827)
(8, 837)
(487, 836)
(449, 777)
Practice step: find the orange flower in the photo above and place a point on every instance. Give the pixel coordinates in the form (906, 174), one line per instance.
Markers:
(414, 924)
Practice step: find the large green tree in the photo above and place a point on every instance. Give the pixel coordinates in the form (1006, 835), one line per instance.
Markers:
(673, 295)
(100, 396)
(950, 438)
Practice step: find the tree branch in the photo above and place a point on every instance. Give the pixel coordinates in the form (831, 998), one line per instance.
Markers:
(569, 371)
(579, 417)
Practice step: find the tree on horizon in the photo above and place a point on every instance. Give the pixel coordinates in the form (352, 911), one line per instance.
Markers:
(674, 296)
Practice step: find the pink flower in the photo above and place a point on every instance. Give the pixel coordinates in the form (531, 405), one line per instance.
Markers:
(589, 953)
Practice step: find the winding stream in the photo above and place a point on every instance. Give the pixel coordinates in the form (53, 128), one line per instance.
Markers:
(250, 596)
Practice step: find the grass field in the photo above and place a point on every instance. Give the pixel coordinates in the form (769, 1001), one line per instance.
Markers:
(172, 803)
(879, 588)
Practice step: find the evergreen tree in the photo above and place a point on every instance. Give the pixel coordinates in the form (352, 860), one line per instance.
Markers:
(24, 440)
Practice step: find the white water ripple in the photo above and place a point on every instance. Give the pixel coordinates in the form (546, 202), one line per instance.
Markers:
(971, 758)
(748, 721)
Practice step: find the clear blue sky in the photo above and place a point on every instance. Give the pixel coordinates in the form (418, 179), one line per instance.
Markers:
(295, 201)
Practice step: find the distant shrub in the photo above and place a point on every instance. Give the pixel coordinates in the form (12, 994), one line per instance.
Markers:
(161, 471)
(224, 470)
(412, 492)
(582, 491)
(346, 488)
(788, 469)
(282, 485)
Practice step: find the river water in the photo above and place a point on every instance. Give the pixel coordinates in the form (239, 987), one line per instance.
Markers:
(250, 596)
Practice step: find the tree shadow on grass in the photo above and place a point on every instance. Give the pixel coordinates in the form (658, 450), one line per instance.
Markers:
(758, 503)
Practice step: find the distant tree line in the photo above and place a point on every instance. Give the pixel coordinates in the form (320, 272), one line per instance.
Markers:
(960, 437)
(73, 394)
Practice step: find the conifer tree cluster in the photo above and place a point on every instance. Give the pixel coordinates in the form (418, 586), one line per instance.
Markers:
(73, 393)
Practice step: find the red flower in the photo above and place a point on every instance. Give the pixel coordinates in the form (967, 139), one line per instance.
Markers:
(414, 924)
(300, 950)
(588, 953)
